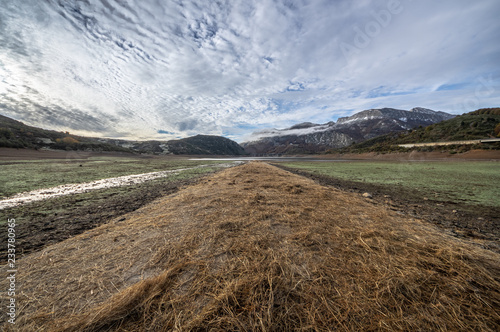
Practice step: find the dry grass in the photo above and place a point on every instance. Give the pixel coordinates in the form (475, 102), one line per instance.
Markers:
(257, 248)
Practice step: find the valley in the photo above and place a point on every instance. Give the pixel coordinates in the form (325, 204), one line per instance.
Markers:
(267, 166)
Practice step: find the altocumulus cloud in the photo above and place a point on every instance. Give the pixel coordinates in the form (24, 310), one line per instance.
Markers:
(165, 69)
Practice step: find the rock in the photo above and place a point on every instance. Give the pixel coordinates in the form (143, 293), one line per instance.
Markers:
(367, 195)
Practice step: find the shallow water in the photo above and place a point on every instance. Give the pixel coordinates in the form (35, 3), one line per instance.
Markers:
(288, 159)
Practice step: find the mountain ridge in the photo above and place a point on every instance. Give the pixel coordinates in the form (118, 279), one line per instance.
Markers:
(308, 137)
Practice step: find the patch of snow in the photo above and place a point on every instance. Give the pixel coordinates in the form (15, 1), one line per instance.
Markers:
(422, 110)
(358, 119)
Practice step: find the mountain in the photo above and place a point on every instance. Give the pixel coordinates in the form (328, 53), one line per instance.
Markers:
(480, 124)
(313, 138)
(205, 144)
(15, 134)
(199, 144)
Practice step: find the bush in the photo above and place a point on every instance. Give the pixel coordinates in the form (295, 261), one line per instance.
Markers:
(497, 130)
(6, 143)
(67, 140)
(6, 133)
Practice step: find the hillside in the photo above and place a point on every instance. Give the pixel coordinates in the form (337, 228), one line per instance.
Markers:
(256, 248)
(315, 138)
(205, 144)
(15, 134)
(479, 124)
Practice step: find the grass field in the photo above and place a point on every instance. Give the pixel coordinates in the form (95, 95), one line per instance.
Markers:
(27, 175)
(96, 197)
(50, 221)
(256, 248)
(470, 182)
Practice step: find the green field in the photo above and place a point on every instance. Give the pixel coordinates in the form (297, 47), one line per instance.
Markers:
(97, 198)
(20, 176)
(470, 182)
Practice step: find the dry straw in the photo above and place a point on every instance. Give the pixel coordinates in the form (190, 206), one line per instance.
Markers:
(256, 248)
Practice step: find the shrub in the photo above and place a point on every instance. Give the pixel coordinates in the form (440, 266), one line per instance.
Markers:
(67, 140)
(6, 133)
(497, 130)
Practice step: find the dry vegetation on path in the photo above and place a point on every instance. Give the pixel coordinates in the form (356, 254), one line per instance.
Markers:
(256, 248)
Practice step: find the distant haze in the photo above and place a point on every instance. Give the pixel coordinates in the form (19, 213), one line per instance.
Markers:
(171, 69)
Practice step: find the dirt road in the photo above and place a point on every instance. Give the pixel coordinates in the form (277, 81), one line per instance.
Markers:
(258, 248)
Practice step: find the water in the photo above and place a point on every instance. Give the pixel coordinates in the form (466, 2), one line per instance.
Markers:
(289, 159)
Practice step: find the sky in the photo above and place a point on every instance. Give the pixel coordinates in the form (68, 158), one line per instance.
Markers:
(166, 69)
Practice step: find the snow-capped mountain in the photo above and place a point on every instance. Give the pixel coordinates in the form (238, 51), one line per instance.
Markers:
(310, 137)
(407, 118)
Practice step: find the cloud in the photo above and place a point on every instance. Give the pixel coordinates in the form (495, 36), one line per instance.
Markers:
(135, 68)
(59, 118)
